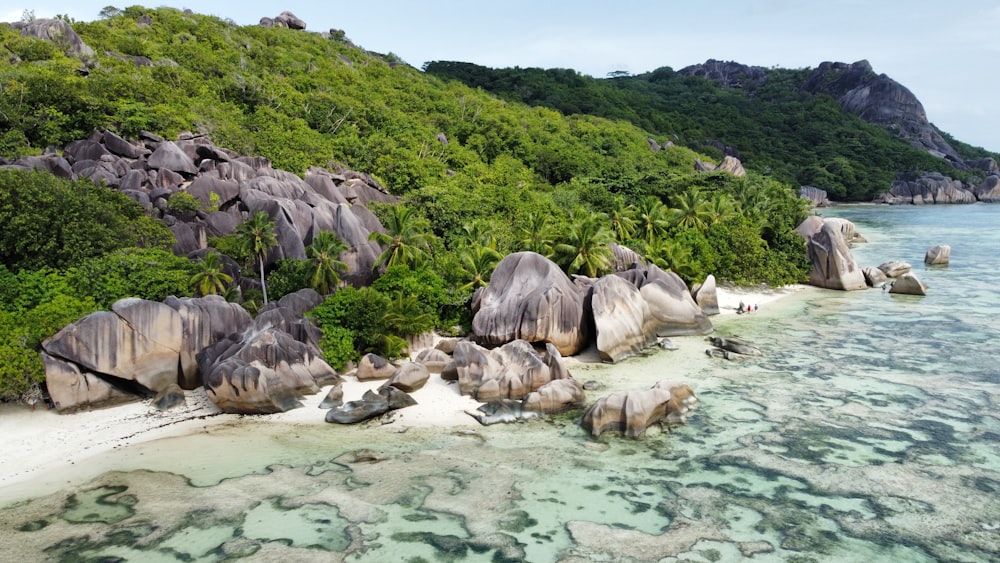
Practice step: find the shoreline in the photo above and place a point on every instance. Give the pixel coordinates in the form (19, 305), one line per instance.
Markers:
(42, 448)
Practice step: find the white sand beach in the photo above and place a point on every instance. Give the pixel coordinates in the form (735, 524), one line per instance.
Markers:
(41, 443)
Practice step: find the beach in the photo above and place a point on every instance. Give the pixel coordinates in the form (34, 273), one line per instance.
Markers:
(45, 450)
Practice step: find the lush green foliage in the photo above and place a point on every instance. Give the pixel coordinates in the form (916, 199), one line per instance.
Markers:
(49, 222)
(145, 273)
(779, 129)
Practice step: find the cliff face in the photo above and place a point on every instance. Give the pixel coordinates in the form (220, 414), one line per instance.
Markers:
(880, 100)
(728, 73)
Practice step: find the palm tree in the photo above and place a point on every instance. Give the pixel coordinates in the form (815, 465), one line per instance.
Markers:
(406, 316)
(478, 262)
(478, 232)
(323, 264)
(534, 235)
(691, 210)
(722, 208)
(670, 255)
(651, 217)
(584, 247)
(407, 241)
(209, 277)
(622, 223)
(257, 236)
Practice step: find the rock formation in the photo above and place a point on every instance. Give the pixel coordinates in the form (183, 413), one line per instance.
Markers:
(373, 366)
(815, 196)
(370, 405)
(623, 322)
(706, 295)
(529, 298)
(632, 412)
(556, 396)
(509, 372)
(58, 31)
(928, 188)
(729, 164)
(875, 277)
(936, 255)
(409, 377)
(894, 268)
(833, 264)
(908, 284)
(673, 310)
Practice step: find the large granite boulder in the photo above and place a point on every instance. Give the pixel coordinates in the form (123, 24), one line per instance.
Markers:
(632, 412)
(137, 341)
(815, 196)
(263, 372)
(408, 377)
(908, 284)
(530, 298)
(875, 277)
(936, 255)
(204, 321)
(672, 309)
(556, 396)
(57, 31)
(827, 245)
(509, 372)
(624, 258)
(989, 190)
(706, 295)
(171, 157)
(373, 366)
(371, 405)
(72, 389)
(433, 359)
(622, 319)
(895, 268)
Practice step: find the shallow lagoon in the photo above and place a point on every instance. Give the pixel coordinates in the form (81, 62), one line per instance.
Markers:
(868, 431)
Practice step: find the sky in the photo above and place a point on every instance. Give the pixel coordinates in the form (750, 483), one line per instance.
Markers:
(946, 53)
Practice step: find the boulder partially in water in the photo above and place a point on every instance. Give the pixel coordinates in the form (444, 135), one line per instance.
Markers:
(938, 255)
(555, 397)
(827, 244)
(908, 284)
(632, 412)
(895, 268)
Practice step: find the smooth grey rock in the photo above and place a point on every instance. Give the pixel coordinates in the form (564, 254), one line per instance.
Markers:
(121, 147)
(72, 389)
(502, 411)
(632, 412)
(556, 396)
(509, 372)
(673, 310)
(827, 245)
(908, 284)
(940, 254)
(373, 366)
(895, 268)
(530, 298)
(204, 321)
(735, 345)
(622, 319)
(433, 359)
(706, 295)
(875, 277)
(334, 398)
(409, 377)
(169, 156)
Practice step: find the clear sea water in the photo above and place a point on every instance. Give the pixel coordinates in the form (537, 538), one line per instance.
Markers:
(867, 432)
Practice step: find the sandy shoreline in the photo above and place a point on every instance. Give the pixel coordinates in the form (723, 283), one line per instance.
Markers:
(42, 443)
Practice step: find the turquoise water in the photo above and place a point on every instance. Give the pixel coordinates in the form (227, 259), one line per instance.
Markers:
(869, 431)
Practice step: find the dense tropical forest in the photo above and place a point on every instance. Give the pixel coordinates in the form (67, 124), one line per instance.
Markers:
(564, 168)
(777, 127)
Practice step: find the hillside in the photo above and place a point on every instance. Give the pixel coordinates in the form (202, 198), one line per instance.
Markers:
(476, 177)
(839, 127)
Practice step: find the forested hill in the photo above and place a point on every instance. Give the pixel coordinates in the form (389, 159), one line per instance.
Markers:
(839, 127)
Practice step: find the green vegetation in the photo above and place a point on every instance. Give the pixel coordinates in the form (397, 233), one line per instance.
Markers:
(780, 130)
(479, 176)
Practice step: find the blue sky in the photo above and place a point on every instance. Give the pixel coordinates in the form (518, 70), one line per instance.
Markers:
(945, 52)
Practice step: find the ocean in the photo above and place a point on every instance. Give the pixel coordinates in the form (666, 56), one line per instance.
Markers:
(868, 431)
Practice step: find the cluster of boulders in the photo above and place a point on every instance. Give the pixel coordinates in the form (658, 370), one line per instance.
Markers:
(934, 187)
(530, 298)
(828, 243)
(284, 19)
(144, 349)
(227, 187)
(731, 348)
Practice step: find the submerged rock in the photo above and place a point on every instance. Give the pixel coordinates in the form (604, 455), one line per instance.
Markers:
(735, 345)
(372, 404)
